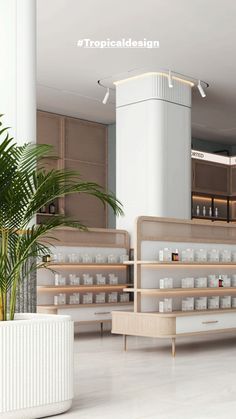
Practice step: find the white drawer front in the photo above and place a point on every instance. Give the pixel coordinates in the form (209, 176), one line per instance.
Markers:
(93, 313)
(205, 322)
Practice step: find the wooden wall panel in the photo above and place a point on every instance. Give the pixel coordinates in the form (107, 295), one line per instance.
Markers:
(85, 208)
(80, 145)
(85, 141)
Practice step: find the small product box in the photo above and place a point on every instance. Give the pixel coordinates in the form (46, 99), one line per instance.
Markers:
(187, 283)
(112, 279)
(88, 298)
(100, 279)
(166, 283)
(188, 304)
(200, 282)
(225, 255)
(165, 255)
(213, 281)
(225, 301)
(88, 280)
(234, 256)
(112, 297)
(201, 255)
(214, 255)
(213, 303)
(165, 306)
(100, 298)
(124, 297)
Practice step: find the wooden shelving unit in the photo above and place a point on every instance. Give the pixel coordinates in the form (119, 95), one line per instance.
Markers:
(94, 241)
(152, 234)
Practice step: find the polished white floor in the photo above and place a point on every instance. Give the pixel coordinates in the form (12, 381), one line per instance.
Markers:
(147, 383)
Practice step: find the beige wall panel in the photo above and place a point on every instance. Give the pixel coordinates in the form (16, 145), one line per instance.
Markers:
(85, 141)
(49, 130)
(85, 208)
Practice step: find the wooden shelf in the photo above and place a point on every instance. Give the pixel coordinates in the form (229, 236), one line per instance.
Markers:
(176, 292)
(46, 214)
(179, 263)
(192, 312)
(85, 265)
(93, 288)
(62, 306)
(202, 217)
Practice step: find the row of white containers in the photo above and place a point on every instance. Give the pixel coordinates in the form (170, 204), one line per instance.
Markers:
(199, 303)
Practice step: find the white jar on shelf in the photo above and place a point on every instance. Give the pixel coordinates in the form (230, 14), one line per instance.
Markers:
(187, 255)
(188, 304)
(233, 280)
(166, 283)
(112, 279)
(213, 281)
(201, 255)
(87, 279)
(214, 255)
(213, 303)
(165, 306)
(234, 256)
(233, 302)
(86, 258)
(165, 255)
(225, 255)
(111, 258)
(225, 301)
(187, 282)
(74, 279)
(226, 281)
(112, 297)
(100, 279)
(124, 297)
(59, 280)
(87, 298)
(201, 303)
(100, 298)
(100, 258)
(73, 258)
(200, 282)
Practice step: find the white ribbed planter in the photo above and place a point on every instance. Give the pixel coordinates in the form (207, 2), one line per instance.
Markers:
(36, 358)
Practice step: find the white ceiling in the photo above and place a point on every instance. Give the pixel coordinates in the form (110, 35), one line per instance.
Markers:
(197, 37)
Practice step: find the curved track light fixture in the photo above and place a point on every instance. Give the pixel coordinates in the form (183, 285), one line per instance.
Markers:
(109, 82)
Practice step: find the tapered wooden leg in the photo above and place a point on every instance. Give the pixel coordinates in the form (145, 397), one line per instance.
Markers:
(173, 346)
(101, 328)
(125, 342)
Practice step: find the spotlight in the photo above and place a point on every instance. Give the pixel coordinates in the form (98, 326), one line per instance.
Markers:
(200, 88)
(170, 80)
(106, 97)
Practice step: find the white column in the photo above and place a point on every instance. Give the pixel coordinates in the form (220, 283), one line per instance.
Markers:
(153, 148)
(18, 68)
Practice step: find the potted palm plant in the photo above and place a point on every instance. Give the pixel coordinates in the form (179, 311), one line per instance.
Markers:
(35, 350)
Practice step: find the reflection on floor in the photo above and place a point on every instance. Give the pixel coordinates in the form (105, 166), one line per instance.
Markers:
(147, 383)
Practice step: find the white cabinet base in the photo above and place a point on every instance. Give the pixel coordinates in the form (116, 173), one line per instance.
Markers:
(39, 411)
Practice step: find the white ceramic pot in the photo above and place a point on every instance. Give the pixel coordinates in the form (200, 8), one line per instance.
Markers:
(36, 355)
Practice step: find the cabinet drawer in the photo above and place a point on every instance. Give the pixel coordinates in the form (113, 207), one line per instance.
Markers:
(93, 313)
(205, 322)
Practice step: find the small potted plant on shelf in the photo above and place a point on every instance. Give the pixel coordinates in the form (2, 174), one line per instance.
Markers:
(35, 350)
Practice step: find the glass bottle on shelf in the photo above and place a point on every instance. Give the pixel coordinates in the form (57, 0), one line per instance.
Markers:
(43, 209)
(210, 212)
(216, 212)
(197, 210)
(204, 211)
(52, 208)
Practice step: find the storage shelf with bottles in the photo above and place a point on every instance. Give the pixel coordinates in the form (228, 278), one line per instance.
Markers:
(211, 207)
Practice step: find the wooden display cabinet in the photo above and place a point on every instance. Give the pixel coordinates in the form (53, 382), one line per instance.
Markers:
(91, 242)
(154, 234)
